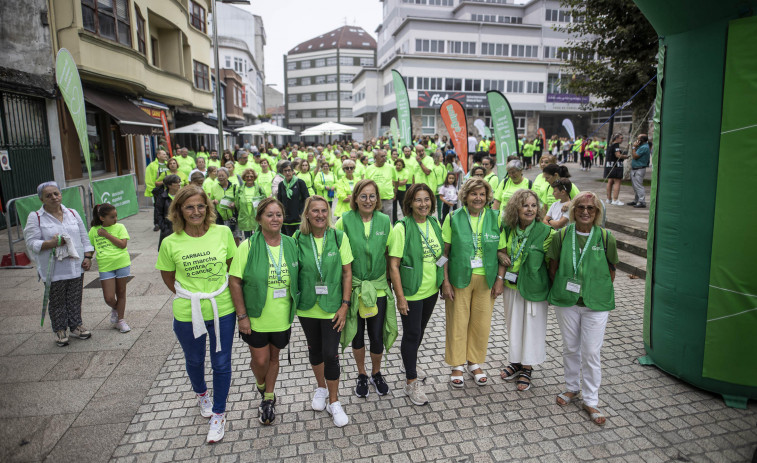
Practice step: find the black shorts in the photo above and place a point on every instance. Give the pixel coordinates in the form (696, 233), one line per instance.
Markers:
(256, 339)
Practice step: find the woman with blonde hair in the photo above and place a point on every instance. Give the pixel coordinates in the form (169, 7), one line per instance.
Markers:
(325, 278)
(344, 187)
(526, 240)
(582, 268)
(472, 280)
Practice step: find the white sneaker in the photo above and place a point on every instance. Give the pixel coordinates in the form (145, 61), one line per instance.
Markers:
(122, 326)
(617, 202)
(415, 393)
(336, 412)
(113, 316)
(206, 404)
(607, 201)
(319, 399)
(217, 428)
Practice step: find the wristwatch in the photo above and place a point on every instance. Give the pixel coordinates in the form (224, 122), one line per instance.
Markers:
(501, 277)
(241, 317)
(347, 302)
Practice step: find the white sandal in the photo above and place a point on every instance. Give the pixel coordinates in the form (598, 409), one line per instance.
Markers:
(458, 381)
(480, 378)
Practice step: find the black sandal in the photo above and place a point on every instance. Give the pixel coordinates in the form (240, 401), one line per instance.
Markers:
(526, 374)
(511, 371)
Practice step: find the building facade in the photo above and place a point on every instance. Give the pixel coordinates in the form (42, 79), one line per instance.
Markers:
(318, 75)
(463, 48)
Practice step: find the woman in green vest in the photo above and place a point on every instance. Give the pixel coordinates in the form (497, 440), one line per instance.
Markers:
(415, 265)
(223, 196)
(247, 200)
(326, 281)
(344, 188)
(582, 268)
(515, 181)
(368, 230)
(471, 283)
(526, 240)
(264, 284)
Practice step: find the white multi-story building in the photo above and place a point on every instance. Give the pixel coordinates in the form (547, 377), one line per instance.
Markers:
(461, 49)
(241, 42)
(319, 75)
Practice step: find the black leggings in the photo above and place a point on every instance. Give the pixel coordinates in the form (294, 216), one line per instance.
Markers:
(375, 329)
(323, 345)
(586, 162)
(413, 328)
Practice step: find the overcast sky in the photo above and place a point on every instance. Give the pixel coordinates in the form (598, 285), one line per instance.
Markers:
(290, 22)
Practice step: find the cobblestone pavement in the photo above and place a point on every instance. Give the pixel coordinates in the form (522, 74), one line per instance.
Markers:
(651, 416)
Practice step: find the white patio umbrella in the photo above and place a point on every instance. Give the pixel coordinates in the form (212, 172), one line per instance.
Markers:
(329, 128)
(198, 128)
(265, 128)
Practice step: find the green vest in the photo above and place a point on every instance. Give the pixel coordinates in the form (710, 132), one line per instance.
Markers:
(597, 290)
(331, 266)
(369, 253)
(246, 215)
(533, 280)
(461, 247)
(411, 265)
(255, 277)
(229, 194)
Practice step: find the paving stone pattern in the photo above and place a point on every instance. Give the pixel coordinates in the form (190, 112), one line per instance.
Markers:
(652, 417)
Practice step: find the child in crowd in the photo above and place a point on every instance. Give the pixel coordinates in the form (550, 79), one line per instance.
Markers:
(109, 239)
(448, 194)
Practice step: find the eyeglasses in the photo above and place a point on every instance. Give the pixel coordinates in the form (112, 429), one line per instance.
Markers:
(198, 208)
(367, 198)
(589, 209)
(349, 168)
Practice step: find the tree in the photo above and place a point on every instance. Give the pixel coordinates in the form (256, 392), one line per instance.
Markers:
(625, 45)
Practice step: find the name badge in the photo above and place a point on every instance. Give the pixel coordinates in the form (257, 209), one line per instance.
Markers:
(574, 286)
(321, 289)
(442, 260)
(476, 263)
(511, 277)
(225, 202)
(279, 293)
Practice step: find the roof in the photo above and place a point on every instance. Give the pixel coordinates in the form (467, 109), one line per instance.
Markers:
(344, 37)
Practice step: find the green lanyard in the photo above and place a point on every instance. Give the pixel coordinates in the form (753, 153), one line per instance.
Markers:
(277, 265)
(583, 253)
(522, 246)
(318, 257)
(425, 239)
(474, 232)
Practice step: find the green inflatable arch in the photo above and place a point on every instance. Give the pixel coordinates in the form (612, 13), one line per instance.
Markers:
(700, 320)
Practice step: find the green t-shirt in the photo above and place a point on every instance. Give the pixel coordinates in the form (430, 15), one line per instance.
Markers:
(339, 225)
(476, 224)
(441, 175)
(275, 315)
(383, 176)
(200, 266)
(109, 256)
(345, 252)
(506, 243)
(186, 164)
(265, 180)
(421, 177)
(396, 246)
(251, 196)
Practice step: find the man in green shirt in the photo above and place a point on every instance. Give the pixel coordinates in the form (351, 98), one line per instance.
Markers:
(383, 174)
(424, 173)
(186, 163)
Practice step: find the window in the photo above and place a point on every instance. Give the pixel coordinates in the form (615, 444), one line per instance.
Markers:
(431, 2)
(520, 125)
(494, 85)
(331, 96)
(623, 116)
(331, 79)
(331, 113)
(320, 113)
(321, 62)
(305, 64)
(141, 44)
(388, 88)
(305, 81)
(346, 112)
(408, 82)
(429, 83)
(550, 52)
(346, 78)
(359, 96)
(307, 113)
(366, 61)
(428, 121)
(551, 15)
(291, 65)
(108, 19)
(472, 85)
(465, 48)
(345, 96)
(515, 86)
(202, 76)
(320, 96)
(239, 65)
(524, 51)
(227, 61)
(292, 98)
(346, 61)
(495, 49)
(534, 87)
(564, 16)
(557, 83)
(331, 61)
(320, 79)
(429, 46)
(291, 82)
(453, 84)
(197, 16)
(306, 97)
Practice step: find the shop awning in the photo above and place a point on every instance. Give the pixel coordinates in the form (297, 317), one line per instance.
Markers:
(133, 121)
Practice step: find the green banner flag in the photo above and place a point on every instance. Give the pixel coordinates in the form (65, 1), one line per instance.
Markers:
(118, 191)
(67, 77)
(70, 197)
(395, 130)
(403, 109)
(504, 129)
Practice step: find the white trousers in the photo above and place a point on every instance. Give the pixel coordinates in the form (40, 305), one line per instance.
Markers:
(387, 207)
(583, 331)
(526, 328)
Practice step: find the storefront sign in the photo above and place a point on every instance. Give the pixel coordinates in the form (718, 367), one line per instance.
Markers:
(118, 191)
(152, 112)
(435, 99)
(5, 160)
(566, 98)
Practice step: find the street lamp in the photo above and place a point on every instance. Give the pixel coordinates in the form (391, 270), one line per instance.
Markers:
(219, 115)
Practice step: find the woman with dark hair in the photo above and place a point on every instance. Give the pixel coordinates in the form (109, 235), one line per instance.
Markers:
(171, 186)
(193, 262)
(173, 169)
(292, 193)
(415, 249)
(614, 170)
(553, 173)
(402, 177)
(557, 216)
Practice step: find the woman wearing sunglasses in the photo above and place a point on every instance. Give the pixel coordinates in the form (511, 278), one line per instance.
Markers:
(344, 188)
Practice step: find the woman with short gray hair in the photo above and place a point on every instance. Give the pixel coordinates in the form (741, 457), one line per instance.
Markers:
(515, 181)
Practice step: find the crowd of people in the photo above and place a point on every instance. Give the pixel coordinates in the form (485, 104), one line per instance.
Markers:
(343, 237)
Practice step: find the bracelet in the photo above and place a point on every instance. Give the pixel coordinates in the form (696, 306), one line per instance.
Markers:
(88, 257)
(241, 317)
(501, 277)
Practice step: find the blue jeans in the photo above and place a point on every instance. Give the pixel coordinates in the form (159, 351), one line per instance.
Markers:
(194, 354)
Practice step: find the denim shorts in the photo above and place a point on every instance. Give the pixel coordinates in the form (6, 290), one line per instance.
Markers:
(120, 273)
